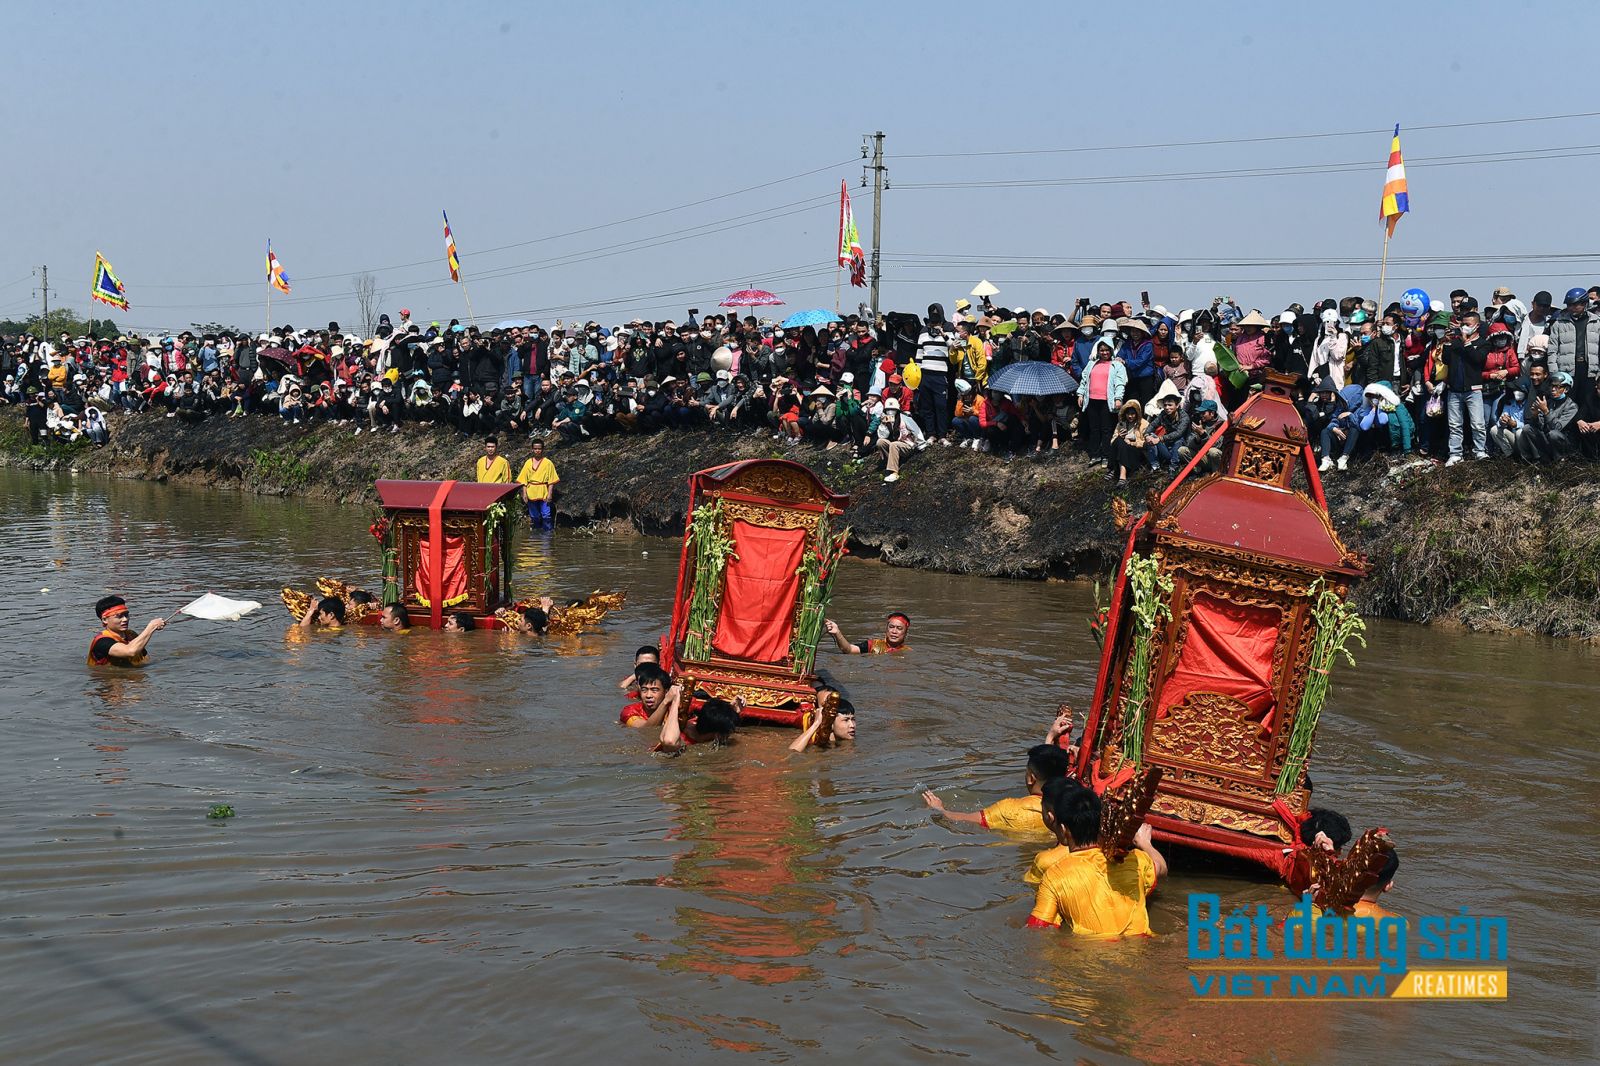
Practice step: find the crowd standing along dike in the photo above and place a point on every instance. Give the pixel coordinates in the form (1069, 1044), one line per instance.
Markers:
(1466, 545)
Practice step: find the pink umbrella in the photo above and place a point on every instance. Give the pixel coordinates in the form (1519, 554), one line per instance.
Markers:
(751, 298)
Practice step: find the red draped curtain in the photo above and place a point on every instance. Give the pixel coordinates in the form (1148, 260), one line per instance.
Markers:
(1228, 650)
(759, 592)
(455, 570)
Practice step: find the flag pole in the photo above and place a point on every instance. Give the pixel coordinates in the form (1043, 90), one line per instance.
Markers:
(470, 316)
(836, 297)
(269, 306)
(1383, 270)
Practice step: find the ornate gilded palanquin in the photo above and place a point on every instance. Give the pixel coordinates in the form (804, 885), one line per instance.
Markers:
(761, 542)
(423, 518)
(1240, 554)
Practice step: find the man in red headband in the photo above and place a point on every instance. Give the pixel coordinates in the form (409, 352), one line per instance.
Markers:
(115, 644)
(894, 637)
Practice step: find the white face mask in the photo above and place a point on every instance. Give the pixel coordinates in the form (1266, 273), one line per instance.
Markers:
(1388, 331)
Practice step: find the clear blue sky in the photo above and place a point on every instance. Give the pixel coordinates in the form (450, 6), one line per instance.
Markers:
(177, 137)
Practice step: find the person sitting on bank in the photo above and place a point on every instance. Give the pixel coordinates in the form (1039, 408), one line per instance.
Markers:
(1547, 431)
(713, 723)
(492, 467)
(840, 729)
(898, 436)
(1206, 422)
(116, 644)
(538, 479)
(656, 691)
(895, 629)
(326, 613)
(395, 618)
(1076, 889)
(1015, 814)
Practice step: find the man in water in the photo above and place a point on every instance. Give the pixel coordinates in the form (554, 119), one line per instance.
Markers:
(842, 728)
(116, 644)
(326, 613)
(538, 479)
(894, 637)
(1014, 814)
(395, 618)
(492, 468)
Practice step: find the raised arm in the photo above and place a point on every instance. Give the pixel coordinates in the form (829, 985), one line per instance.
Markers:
(928, 797)
(839, 638)
(803, 741)
(128, 649)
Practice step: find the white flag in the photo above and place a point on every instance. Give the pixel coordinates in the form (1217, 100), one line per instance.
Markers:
(219, 608)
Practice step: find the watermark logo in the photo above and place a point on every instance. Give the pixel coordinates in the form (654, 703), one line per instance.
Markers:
(1248, 953)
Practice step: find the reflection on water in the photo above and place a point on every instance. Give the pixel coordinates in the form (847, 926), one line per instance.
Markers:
(446, 851)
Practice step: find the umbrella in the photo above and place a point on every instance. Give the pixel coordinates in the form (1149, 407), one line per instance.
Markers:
(513, 323)
(984, 289)
(1032, 378)
(817, 316)
(751, 298)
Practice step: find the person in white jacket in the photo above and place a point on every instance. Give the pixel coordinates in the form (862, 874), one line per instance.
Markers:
(898, 434)
(1328, 353)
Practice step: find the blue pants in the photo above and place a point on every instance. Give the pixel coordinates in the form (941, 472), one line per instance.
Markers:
(540, 516)
(1162, 454)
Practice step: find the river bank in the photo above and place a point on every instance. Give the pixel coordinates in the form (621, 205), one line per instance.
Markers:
(1485, 545)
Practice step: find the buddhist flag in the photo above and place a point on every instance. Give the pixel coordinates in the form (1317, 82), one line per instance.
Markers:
(850, 253)
(106, 288)
(1395, 201)
(450, 250)
(275, 275)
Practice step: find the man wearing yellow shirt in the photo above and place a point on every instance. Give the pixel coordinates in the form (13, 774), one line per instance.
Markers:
(492, 468)
(1077, 890)
(1015, 814)
(1124, 876)
(538, 479)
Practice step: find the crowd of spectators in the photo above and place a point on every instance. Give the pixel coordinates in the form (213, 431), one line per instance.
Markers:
(1145, 388)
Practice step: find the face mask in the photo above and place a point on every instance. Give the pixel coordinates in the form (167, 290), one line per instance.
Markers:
(1366, 338)
(1388, 330)
(1439, 333)
(1517, 394)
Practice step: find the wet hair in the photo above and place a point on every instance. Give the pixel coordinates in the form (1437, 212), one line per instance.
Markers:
(651, 674)
(331, 605)
(650, 650)
(1391, 866)
(361, 596)
(1322, 820)
(845, 708)
(1077, 810)
(906, 618)
(463, 620)
(106, 603)
(401, 614)
(1046, 762)
(536, 617)
(717, 718)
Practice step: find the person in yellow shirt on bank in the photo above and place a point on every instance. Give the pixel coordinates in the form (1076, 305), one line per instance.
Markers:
(1016, 814)
(492, 467)
(1076, 890)
(539, 479)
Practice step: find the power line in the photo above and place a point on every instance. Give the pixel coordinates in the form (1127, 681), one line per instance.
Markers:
(1525, 155)
(1246, 140)
(433, 261)
(920, 260)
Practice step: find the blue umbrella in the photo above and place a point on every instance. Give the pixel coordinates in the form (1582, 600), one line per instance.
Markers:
(513, 323)
(817, 316)
(1032, 378)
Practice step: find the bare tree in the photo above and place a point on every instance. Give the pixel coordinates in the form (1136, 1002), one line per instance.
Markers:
(368, 302)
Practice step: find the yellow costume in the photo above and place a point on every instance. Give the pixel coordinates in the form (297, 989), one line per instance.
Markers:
(1017, 814)
(1077, 890)
(494, 471)
(537, 481)
(574, 618)
(1043, 861)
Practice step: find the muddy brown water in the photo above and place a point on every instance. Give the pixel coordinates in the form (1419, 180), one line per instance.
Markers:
(446, 851)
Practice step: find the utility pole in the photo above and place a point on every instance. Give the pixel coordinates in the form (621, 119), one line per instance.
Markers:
(44, 290)
(880, 182)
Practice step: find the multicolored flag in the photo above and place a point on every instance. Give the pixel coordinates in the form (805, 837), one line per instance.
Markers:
(450, 250)
(1395, 201)
(106, 288)
(275, 275)
(850, 253)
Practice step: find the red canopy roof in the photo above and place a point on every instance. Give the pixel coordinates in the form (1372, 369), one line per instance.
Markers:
(1259, 511)
(464, 495)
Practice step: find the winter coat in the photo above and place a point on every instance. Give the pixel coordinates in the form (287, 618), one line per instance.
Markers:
(1116, 385)
(1568, 350)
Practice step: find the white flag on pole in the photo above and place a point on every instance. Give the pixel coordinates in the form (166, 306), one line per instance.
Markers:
(219, 608)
